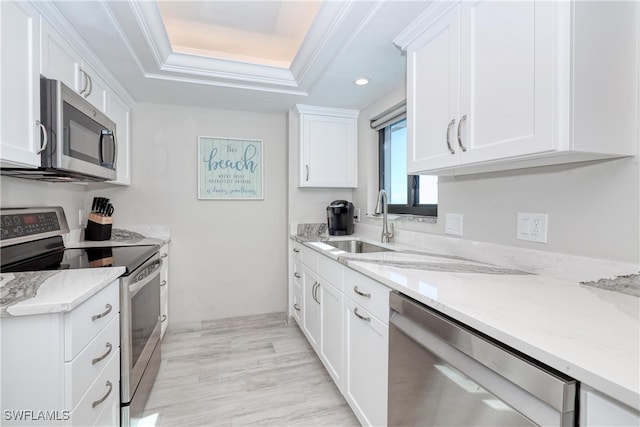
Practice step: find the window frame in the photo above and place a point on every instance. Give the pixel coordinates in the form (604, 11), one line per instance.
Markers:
(413, 182)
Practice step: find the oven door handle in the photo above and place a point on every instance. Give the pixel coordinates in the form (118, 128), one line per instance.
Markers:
(134, 288)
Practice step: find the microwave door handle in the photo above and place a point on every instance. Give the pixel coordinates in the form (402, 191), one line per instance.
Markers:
(115, 148)
(100, 147)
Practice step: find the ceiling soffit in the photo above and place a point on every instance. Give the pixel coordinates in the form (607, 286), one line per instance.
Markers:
(335, 26)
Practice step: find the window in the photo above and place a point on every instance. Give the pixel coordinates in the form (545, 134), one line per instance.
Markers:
(406, 194)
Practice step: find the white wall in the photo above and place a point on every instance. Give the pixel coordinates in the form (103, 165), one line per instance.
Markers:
(18, 192)
(227, 257)
(593, 207)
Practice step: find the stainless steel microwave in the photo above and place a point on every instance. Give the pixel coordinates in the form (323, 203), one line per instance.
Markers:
(79, 140)
(82, 139)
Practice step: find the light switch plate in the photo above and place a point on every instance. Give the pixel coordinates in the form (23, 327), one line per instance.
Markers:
(532, 227)
(453, 224)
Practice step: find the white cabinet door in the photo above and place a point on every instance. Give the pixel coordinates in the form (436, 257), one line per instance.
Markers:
(120, 113)
(328, 147)
(59, 60)
(311, 307)
(366, 358)
(331, 330)
(433, 67)
(93, 88)
(20, 138)
(599, 410)
(507, 80)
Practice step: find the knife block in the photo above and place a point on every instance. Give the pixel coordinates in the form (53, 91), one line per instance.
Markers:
(98, 227)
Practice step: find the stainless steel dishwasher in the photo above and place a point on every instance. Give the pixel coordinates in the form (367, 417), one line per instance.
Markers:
(443, 373)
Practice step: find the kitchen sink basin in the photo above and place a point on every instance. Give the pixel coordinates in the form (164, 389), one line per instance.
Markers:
(357, 246)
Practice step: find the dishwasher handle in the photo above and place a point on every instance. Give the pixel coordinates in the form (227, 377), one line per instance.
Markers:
(553, 388)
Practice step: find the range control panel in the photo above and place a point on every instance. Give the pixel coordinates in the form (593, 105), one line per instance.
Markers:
(31, 223)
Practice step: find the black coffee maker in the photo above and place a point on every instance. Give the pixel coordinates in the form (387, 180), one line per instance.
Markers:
(340, 218)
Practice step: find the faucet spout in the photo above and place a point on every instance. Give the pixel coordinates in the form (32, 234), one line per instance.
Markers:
(382, 207)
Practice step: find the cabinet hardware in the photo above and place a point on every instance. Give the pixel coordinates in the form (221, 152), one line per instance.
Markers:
(451, 123)
(462, 119)
(90, 86)
(164, 283)
(315, 288)
(43, 129)
(366, 319)
(86, 82)
(307, 168)
(362, 294)
(296, 275)
(98, 316)
(98, 359)
(296, 307)
(296, 250)
(164, 318)
(97, 402)
(164, 255)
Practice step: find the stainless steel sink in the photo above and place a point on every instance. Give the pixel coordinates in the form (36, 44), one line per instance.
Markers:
(357, 246)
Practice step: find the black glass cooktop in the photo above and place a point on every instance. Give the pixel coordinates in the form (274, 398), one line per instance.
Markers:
(129, 257)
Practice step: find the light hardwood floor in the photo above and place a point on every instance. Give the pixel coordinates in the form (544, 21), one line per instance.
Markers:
(255, 370)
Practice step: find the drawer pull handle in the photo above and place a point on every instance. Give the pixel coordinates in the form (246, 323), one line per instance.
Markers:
(296, 250)
(97, 402)
(98, 359)
(366, 319)
(296, 307)
(164, 283)
(296, 275)
(164, 255)
(101, 315)
(362, 294)
(164, 318)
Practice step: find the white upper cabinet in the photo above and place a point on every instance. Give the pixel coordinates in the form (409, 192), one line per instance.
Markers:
(20, 134)
(60, 61)
(120, 113)
(504, 85)
(328, 146)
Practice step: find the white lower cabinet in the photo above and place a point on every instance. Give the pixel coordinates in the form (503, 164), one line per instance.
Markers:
(164, 289)
(345, 316)
(310, 307)
(66, 370)
(598, 410)
(331, 330)
(366, 349)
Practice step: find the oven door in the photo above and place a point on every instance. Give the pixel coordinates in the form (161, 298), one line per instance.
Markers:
(140, 323)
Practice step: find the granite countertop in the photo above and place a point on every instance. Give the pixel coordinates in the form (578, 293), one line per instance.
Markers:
(126, 236)
(56, 291)
(586, 331)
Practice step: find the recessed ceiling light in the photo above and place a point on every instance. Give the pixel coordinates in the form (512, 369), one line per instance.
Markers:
(362, 81)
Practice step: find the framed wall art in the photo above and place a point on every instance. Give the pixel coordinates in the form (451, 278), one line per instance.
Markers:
(230, 168)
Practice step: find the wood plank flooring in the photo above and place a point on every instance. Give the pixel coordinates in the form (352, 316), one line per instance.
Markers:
(255, 370)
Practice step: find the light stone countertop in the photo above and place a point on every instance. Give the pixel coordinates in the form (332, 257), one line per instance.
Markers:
(132, 235)
(588, 333)
(56, 291)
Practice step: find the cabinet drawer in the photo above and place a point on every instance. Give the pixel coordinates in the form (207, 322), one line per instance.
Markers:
(370, 294)
(82, 324)
(297, 306)
(331, 270)
(296, 250)
(297, 274)
(310, 258)
(83, 370)
(102, 395)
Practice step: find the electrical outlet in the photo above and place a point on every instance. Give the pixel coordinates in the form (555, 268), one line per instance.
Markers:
(82, 217)
(356, 215)
(532, 227)
(453, 224)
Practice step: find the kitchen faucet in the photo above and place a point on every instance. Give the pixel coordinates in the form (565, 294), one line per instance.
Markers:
(382, 207)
